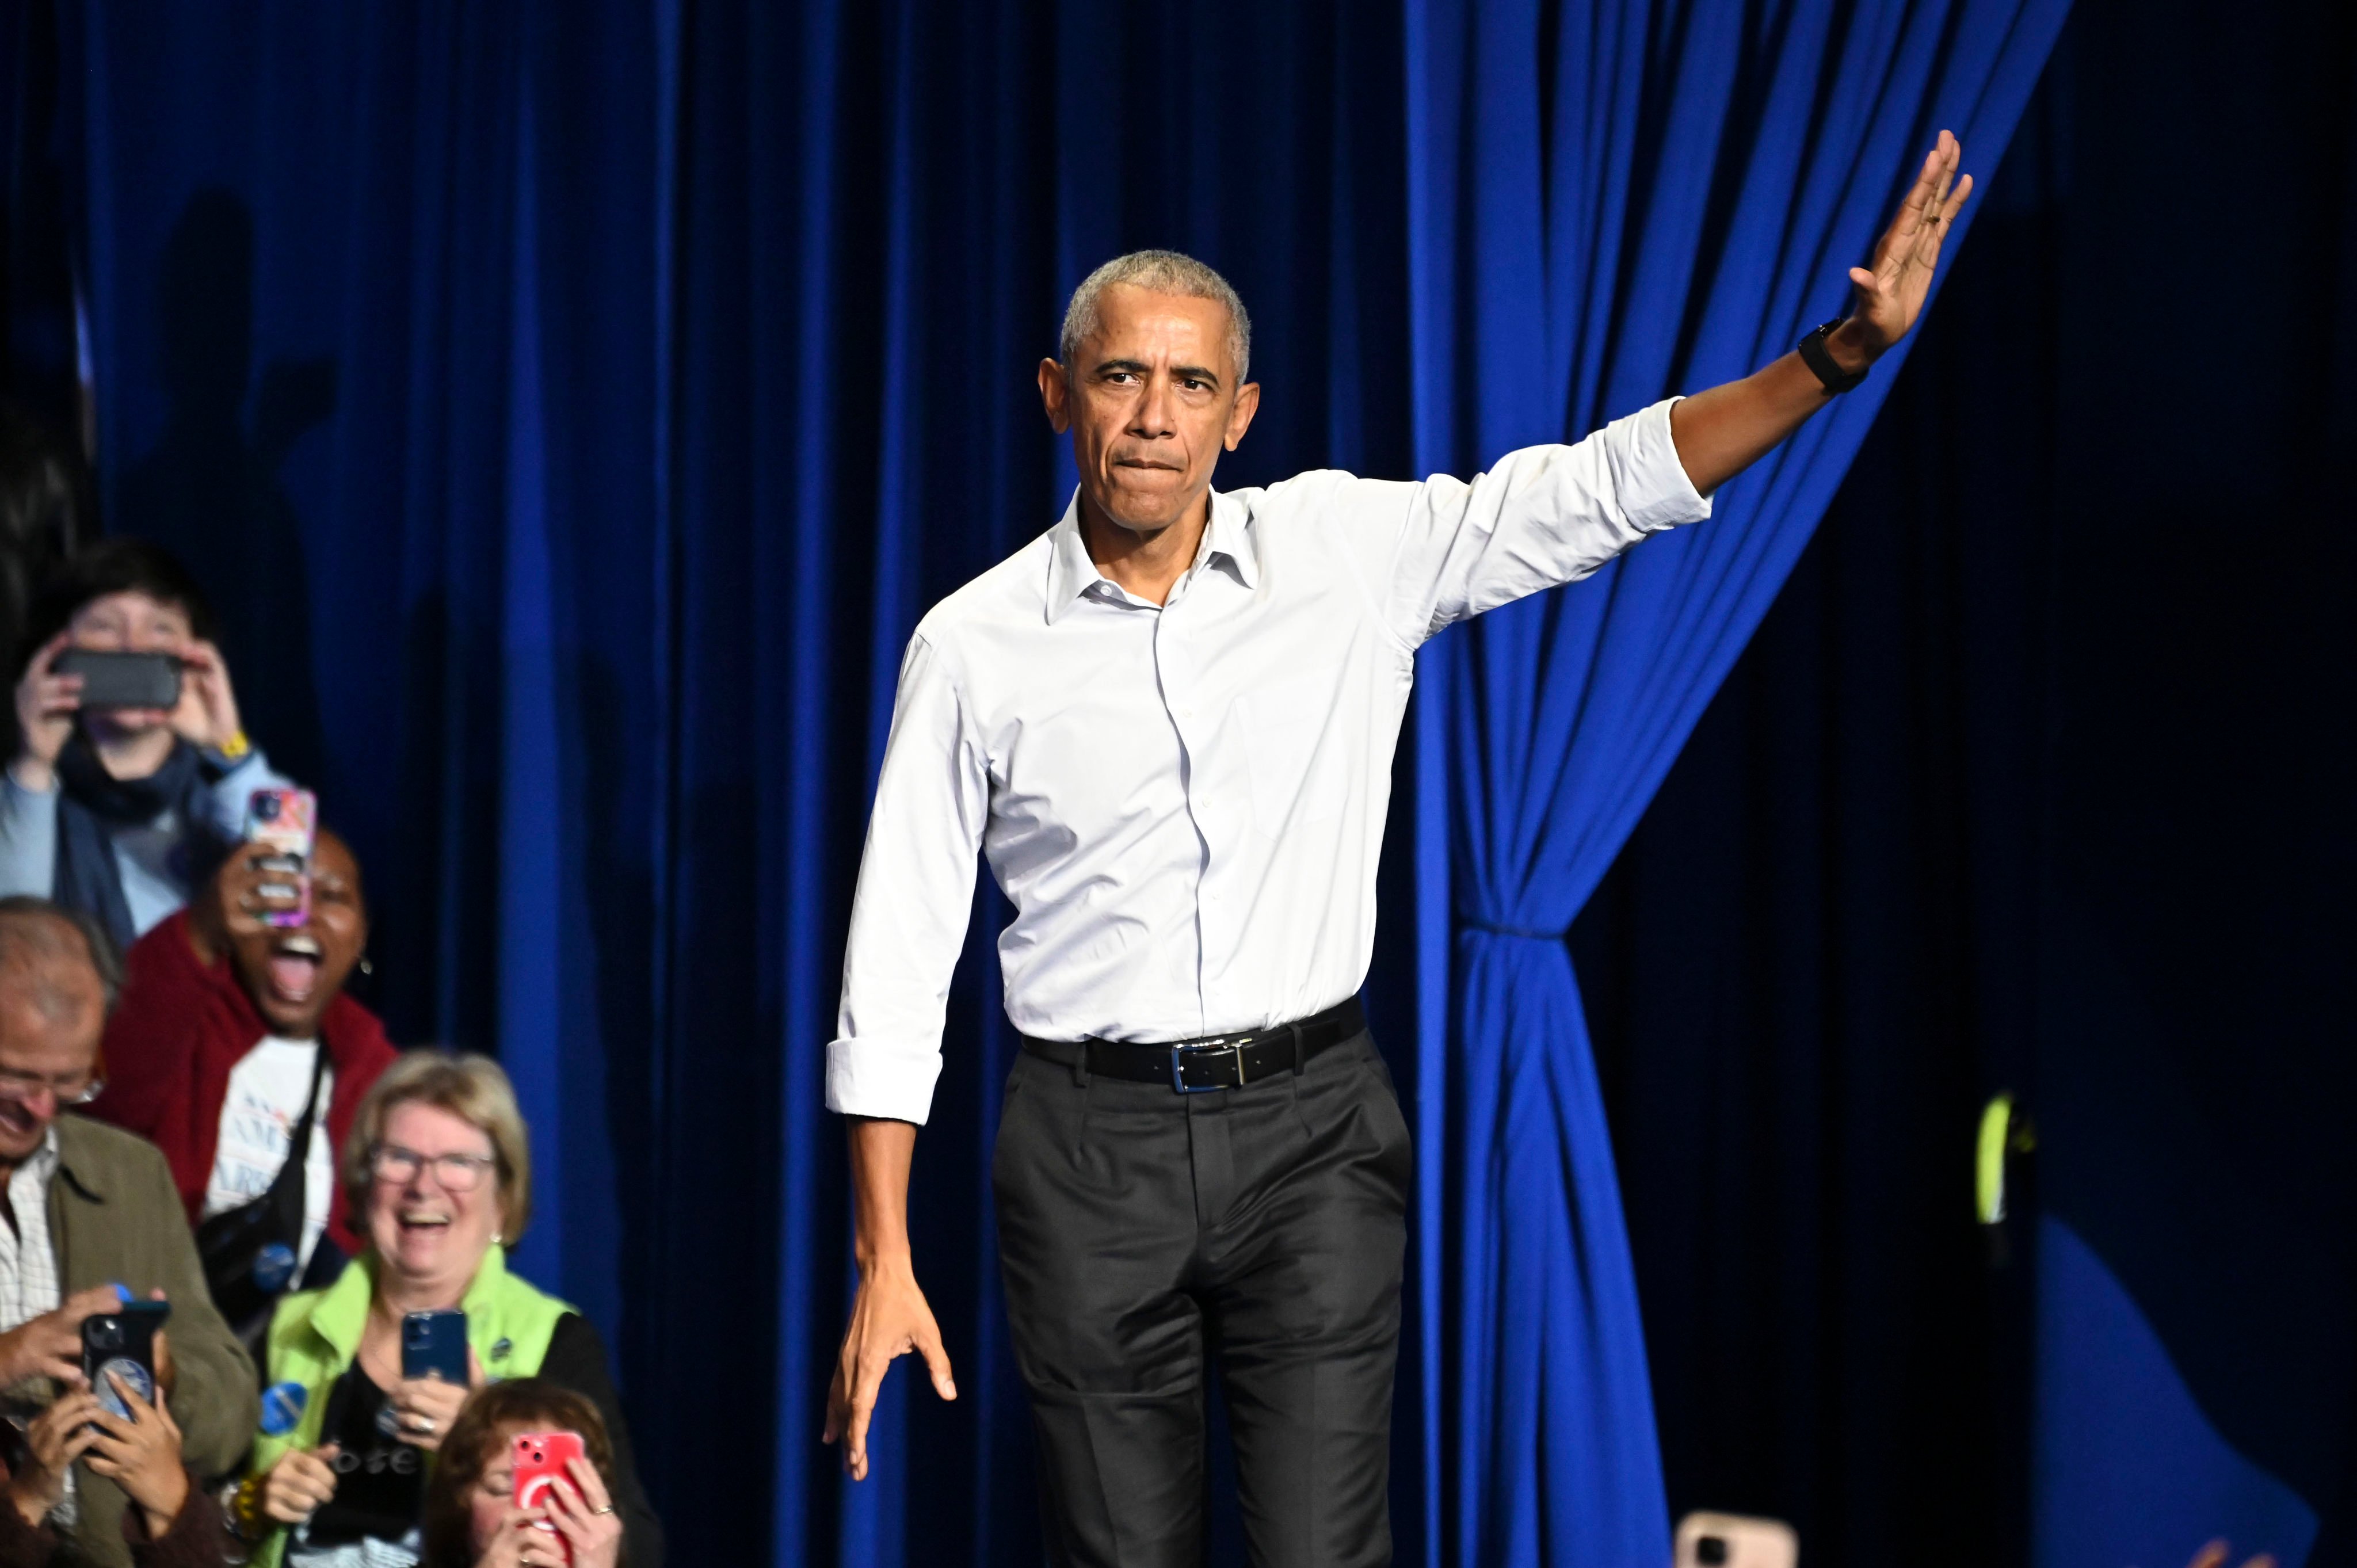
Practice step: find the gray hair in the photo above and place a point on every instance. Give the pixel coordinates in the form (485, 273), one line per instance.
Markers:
(1164, 271)
(36, 935)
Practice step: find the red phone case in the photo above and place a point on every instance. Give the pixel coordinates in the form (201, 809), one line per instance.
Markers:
(539, 1458)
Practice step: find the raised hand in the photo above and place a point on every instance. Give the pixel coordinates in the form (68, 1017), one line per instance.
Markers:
(56, 1437)
(49, 1346)
(1723, 430)
(142, 1455)
(208, 711)
(424, 1407)
(1890, 293)
(46, 705)
(580, 1509)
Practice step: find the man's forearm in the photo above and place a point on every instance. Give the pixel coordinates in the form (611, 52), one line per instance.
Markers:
(1724, 431)
(881, 1153)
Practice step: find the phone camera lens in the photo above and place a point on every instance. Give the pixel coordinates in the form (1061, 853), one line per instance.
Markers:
(266, 807)
(1710, 1551)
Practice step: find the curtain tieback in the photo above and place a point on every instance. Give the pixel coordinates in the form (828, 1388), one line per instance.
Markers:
(1493, 928)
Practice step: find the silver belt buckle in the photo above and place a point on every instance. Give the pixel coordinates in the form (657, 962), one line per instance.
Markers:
(1178, 1056)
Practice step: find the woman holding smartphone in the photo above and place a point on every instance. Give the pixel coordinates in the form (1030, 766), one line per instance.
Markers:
(119, 810)
(473, 1518)
(438, 1168)
(171, 1524)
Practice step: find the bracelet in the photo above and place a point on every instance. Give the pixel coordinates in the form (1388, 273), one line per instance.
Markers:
(1813, 354)
(242, 1505)
(234, 747)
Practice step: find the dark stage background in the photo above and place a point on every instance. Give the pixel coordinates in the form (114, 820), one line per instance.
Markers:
(557, 395)
(2037, 777)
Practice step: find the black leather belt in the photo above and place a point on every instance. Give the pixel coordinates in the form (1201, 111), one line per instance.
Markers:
(1216, 1061)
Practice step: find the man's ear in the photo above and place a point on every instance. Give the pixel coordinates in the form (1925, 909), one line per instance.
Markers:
(1240, 417)
(1054, 394)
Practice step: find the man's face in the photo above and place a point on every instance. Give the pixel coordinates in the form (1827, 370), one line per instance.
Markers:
(48, 1053)
(291, 972)
(1151, 400)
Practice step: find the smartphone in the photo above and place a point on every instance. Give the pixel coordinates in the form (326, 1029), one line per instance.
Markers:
(118, 680)
(285, 823)
(1731, 1540)
(540, 1457)
(433, 1344)
(123, 1343)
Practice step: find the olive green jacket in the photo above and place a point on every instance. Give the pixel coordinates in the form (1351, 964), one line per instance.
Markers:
(116, 1217)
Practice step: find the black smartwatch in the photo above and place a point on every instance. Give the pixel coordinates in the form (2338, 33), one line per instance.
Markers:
(1813, 354)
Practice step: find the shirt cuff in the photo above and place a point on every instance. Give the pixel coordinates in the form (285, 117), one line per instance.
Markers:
(873, 1076)
(1654, 489)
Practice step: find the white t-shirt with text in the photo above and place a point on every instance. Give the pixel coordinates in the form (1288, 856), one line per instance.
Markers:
(258, 1117)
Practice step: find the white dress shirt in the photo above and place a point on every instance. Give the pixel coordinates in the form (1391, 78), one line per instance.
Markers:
(1185, 803)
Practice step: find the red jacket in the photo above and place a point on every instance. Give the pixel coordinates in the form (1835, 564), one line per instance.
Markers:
(181, 1025)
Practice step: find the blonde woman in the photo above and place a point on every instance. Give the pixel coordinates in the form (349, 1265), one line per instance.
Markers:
(439, 1171)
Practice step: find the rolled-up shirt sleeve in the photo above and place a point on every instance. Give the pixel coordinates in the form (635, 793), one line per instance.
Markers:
(915, 894)
(1540, 517)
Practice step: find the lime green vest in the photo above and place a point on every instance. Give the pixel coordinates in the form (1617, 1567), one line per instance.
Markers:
(314, 1336)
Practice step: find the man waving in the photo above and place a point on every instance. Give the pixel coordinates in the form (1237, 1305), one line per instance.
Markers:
(1168, 722)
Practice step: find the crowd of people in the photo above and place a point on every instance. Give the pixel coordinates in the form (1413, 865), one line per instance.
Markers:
(207, 1146)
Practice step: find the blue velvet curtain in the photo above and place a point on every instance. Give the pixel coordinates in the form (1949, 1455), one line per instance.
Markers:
(574, 406)
(1607, 205)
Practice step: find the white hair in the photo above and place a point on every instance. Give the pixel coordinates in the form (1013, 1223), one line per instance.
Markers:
(1164, 271)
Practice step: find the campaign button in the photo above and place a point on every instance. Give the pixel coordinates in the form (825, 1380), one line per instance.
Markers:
(273, 1267)
(282, 1408)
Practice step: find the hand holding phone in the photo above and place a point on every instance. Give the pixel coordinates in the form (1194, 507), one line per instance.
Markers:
(436, 1376)
(46, 701)
(285, 825)
(578, 1515)
(122, 1344)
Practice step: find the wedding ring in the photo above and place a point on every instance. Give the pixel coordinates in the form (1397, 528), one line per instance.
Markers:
(607, 1508)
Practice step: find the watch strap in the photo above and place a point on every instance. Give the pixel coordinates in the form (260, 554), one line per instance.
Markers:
(1815, 355)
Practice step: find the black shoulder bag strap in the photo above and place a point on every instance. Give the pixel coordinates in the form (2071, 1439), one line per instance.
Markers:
(249, 1252)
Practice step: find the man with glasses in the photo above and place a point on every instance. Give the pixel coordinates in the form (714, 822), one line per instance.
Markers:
(90, 1220)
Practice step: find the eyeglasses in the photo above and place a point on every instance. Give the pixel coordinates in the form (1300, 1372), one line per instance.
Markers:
(453, 1172)
(73, 1088)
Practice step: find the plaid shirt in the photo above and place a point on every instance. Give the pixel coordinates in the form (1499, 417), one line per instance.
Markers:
(28, 1264)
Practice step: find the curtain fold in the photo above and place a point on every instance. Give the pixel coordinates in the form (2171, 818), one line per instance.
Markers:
(1609, 204)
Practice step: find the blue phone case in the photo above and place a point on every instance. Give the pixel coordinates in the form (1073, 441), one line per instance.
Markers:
(435, 1344)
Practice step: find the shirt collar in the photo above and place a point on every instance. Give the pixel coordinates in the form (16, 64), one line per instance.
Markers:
(44, 1164)
(1231, 535)
(1071, 573)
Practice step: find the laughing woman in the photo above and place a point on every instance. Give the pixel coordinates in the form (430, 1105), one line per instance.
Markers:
(438, 1170)
(233, 1036)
